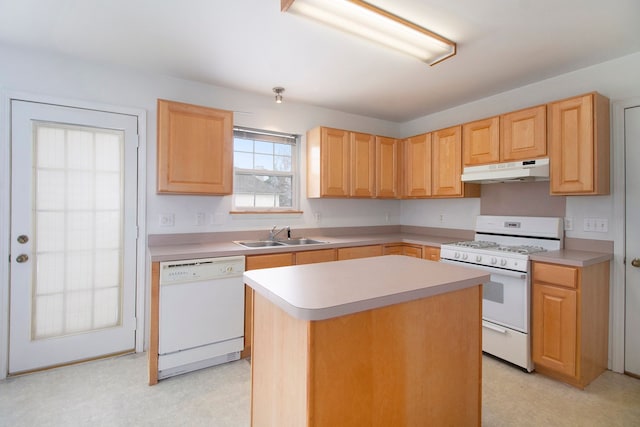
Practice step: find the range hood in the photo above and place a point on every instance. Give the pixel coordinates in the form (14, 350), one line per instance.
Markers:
(525, 170)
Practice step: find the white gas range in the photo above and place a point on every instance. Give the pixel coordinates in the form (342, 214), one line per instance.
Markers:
(502, 246)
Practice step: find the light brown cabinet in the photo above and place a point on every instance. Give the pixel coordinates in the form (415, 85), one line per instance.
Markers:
(328, 162)
(447, 165)
(312, 257)
(388, 157)
(579, 145)
(255, 262)
(518, 135)
(570, 318)
(362, 164)
(481, 142)
(359, 252)
(417, 175)
(340, 163)
(403, 249)
(195, 149)
(523, 134)
(431, 253)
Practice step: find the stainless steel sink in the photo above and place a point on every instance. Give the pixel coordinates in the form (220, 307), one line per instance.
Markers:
(302, 241)
(259, 243)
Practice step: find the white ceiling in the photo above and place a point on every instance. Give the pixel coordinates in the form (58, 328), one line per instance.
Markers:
(250, 45)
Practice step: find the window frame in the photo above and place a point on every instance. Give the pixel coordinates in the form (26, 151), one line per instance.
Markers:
(294, 141)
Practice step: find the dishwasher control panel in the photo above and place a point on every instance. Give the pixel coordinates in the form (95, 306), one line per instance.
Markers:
(200, 269)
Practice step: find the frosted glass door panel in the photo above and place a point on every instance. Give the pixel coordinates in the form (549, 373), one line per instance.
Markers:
(78, 204)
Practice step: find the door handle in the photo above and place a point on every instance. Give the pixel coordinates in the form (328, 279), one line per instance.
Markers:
(22, 258)
(635, 262)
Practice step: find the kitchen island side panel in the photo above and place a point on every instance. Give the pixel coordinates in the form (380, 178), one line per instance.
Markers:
(412, 364)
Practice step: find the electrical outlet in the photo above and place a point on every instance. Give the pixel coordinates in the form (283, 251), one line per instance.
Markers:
(166, 220)
(601, 225)
(568, 223)
(200, 218)
(589, 224)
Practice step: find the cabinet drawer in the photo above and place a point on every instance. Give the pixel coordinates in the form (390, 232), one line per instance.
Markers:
(312, 257)
(359, 252)
(556, 274)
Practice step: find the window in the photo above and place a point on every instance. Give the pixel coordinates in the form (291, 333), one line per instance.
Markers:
(265, 171)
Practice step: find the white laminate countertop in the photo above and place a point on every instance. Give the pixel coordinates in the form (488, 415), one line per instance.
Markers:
(332, 289)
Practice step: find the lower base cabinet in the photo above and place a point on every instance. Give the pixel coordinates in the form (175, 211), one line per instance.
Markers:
(570, 318)
(255, 262)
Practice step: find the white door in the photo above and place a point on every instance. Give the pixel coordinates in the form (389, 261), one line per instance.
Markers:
(73, 234)
(632, 233)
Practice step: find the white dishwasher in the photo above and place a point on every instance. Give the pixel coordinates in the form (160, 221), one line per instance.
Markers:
(201, 314)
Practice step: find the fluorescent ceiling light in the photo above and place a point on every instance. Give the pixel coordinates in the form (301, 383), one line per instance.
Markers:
(361, 18)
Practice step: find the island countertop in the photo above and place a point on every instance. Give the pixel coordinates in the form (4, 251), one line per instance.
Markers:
(338, 288)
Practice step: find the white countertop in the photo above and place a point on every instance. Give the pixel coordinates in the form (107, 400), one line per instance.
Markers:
(338, 288)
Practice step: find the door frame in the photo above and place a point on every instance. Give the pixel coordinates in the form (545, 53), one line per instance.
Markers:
(5, 212)
(617, 308)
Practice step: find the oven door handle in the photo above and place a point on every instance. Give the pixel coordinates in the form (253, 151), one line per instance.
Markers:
(517, 274)
(494, 327)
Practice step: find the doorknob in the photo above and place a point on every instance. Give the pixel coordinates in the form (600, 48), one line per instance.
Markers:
(635, 262)
(22, 258)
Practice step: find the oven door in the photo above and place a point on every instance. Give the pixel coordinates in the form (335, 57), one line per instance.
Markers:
(505, 297)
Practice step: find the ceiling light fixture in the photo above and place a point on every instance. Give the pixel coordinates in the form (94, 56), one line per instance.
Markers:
(278, 91)
(363, 19)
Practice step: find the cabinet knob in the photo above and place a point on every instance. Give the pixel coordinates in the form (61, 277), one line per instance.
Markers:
(22, 258)
(635, 262)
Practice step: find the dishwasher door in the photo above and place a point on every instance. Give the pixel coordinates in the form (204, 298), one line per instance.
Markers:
(201, 314)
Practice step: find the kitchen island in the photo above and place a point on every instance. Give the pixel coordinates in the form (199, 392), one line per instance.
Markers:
(389, 340)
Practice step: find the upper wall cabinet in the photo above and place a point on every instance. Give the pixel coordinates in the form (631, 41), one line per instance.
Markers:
(481, 142)
(388, 158)
(362, 164)
(417, 171)
(195, 149)
(523, 134)
(447, 165)
(519, 135)
(328, 162)
(579, 145)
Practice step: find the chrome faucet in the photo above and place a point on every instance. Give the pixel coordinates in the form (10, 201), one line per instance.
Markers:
(273, 233)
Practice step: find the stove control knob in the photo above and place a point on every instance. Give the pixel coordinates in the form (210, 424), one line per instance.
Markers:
(478, 258)
(503, 262)
(494, 260)
(456, 255)
(465, 256)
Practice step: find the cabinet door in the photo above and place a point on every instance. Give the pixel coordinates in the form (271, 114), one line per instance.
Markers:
(335, 163)
(195, 149)
(431, 253)
(412, 251)
(579, 145)
(255, 262)
(393, 249)
(523, 134)
(447, 162)
(312, 257)
(387, 165)
(363, 164)
(359, 252)
(555, 328)
(481, 142)
(417, 163)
